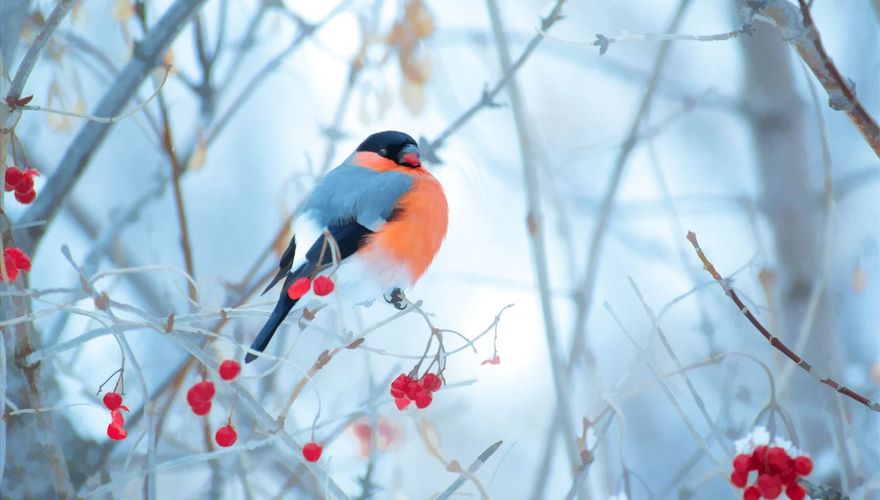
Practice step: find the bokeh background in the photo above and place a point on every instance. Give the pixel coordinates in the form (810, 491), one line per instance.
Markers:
(615, 156)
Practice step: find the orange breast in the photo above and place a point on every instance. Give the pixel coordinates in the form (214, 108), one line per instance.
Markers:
(414, 236)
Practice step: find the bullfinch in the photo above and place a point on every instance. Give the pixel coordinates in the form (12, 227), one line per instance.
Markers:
(388, 217)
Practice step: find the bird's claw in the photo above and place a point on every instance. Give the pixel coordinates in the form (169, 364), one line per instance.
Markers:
(396, 298)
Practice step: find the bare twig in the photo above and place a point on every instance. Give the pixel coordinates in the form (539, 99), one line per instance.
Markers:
(534, 225)
(797, 27)
(774, 341)
(603, 41)
(62, 8)
(104, 119)
(584, 291)
(429, 148)
(148, 55)
(319, 363)
(474, 467)
(176, 173)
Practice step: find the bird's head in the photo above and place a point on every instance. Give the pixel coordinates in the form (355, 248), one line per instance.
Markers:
(395, 146)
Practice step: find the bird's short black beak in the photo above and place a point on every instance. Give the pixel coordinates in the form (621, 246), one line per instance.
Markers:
(409, 156)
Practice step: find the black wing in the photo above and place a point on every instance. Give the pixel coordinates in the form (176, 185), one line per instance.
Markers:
(349, 237)
(284, 265)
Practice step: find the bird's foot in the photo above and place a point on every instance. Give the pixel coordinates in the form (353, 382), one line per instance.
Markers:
(396, 298)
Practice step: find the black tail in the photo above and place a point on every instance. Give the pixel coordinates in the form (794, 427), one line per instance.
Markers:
(284, 305)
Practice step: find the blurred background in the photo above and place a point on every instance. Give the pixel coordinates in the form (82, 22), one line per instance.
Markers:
(573, 171)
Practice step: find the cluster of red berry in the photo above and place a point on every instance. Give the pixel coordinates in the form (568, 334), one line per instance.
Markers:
(312, 451)
(22, 182)
(113, 402)
(406, 390)
(199, 397)
(322, 285)
(777, 471)
(16, 261)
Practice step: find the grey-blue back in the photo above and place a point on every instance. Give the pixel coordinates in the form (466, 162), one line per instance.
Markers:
(349, 192)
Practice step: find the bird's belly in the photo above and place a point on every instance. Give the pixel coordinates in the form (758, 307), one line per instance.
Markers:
(366, 276)
(359, 280)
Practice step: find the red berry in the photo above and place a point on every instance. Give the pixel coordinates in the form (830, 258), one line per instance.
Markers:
(204, 390)
(13, 177)
(778, 459)
(759, 456)
(112, 400)
(789, 477)
(423, 399)
(752, 493)
(25, 184)
(796, 492)
(400, 382)
(742, 462)
(229, 369)
(323, 286)
(431, 382)
(299, 288)
(116, 432)
(11, 269)
(192, 397)
(399, 385)
(362, 430)
(413, 387)
(19, 258)
(117, 418)
(26, 197)
(803, 465)
(312, 452)
(226, 436)
(401, 403)
(201, 408)
(770, 485)
(739, 478)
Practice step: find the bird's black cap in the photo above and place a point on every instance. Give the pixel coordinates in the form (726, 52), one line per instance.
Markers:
(389, 143)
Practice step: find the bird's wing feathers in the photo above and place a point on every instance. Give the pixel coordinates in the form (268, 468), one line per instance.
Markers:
(351, 202)
(348, 237)
(285, 264)
(356, 193)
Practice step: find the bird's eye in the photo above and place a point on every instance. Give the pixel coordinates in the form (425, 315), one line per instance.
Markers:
(383, 152)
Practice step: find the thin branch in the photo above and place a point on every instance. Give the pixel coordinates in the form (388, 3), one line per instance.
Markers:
(603, 41)
(534, 226)
(474, 467)
(180, 210)
(429, 148)
(587, 285)
(774, 341)
(104, 119)
(585, 289)
(797, 27)
(33, 53)
(147, 55)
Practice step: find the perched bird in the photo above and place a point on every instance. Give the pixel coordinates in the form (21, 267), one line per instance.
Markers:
(388, 216)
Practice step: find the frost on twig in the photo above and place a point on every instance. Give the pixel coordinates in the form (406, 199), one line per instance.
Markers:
(603, 42)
